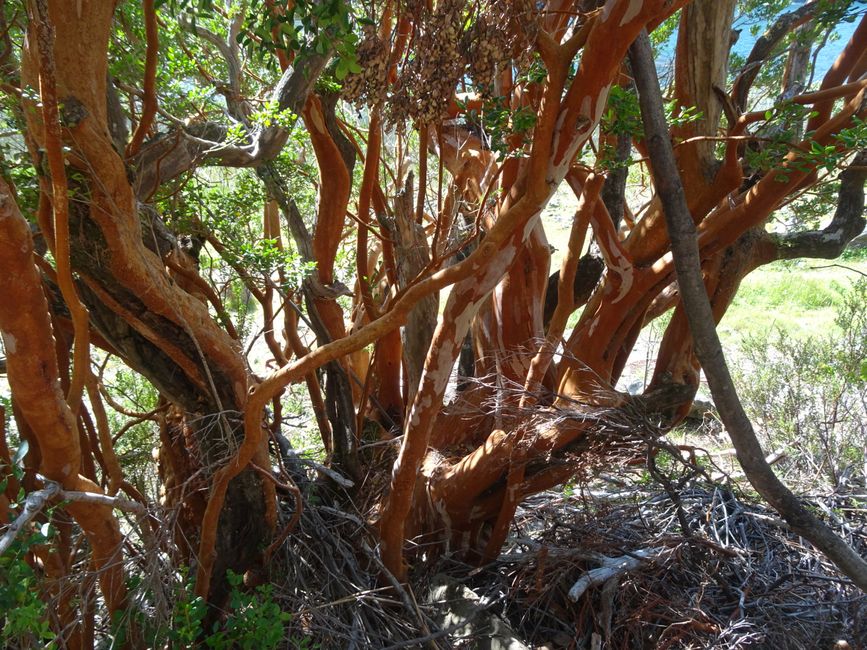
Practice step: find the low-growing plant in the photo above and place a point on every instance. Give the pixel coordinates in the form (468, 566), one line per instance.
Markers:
(23, 616)
(255, 620)
(808, 396)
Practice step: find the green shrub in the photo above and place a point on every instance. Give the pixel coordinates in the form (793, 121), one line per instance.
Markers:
(254, 622)
(23, 616)
(808, 396)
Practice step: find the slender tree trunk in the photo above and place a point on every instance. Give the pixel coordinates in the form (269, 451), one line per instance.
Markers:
(684, 243)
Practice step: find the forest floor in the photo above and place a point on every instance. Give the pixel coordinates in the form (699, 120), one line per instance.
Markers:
(618, 563)
(679, 555)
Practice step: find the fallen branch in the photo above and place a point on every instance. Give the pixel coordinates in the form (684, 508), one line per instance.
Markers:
(614, 568)
(33, 504)
(104, 500)
(36, 501)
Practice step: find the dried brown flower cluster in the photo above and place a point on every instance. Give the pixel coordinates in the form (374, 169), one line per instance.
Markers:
(503, 32)
(443, 51)
(427, 81)
(369, 86)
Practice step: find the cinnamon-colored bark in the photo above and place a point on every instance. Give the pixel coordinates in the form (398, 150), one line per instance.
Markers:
(35, 381)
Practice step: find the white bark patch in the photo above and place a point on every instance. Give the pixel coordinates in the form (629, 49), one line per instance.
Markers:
(497, 267)
(445, 359)
(462, 321)
(621, 266)
(528, 228)
(558, 129)
(317, 121)
(601, 100)
(10, 342)
(631, 11)
(626, 279)
(606, 10)
(593, 325)
(67, 469)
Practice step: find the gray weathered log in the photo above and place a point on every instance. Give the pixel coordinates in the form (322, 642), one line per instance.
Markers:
(412, 255)
(613, 568)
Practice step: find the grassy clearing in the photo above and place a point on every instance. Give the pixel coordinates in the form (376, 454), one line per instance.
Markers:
(800, 298)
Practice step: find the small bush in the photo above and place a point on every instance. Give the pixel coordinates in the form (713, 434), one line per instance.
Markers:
(808, 396)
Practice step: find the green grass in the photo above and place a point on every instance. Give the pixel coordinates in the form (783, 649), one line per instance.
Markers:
(800, 298)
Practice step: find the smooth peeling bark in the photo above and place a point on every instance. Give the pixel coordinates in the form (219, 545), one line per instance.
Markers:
(60, 202)
(395, 317)
(465, 157)
(763, 48)
(728, 221)
(129, 272)
(676, 361)
(388, 397)
(608, 321)
(613, 30)
(701, 64)
(565, 140)
(35, 382)
(613, 319)
(839, 72)
(335, 186)
(518, 304)
(612, 315)
(149, 101)
(463, 303)
(561, 129)
(565, 292)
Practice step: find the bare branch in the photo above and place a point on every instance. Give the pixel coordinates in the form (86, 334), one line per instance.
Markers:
(763, 48)
(33, 505)
(614, 568)
(170, 155)
(848, 222)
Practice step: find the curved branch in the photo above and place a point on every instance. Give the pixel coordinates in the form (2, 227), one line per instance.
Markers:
(830, 242)
(35, 381)
(60, 203)
(170, 155)
(149, 102)
(687, 260)
(763, 48)
(230, 56)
